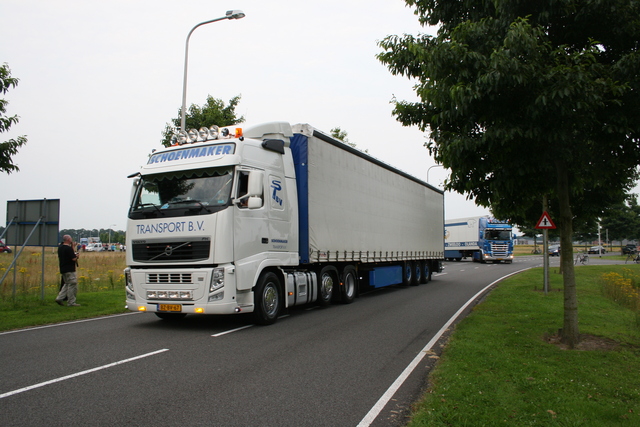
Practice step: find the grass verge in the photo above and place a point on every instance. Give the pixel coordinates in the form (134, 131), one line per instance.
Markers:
(100, 288)
(500, 368)
(31, 311)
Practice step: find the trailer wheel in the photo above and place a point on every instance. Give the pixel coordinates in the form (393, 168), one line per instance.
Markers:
(417, 273)
(426, 272)
(407, 273)
(173, 317)
(328, 280)
(349, 284)
(267, 299)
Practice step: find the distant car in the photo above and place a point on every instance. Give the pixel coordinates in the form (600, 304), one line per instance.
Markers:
(554, 250)
(597, 250)
(94, 247)
(4, 248)
(629, 249)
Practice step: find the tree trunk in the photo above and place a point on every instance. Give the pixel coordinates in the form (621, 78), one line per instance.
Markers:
(570, 334)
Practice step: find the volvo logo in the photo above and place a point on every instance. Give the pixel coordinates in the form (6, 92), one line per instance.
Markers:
(169, 249)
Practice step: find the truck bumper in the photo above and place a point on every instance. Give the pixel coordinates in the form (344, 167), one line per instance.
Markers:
(171, 307)
(186, 291)
(507, 258)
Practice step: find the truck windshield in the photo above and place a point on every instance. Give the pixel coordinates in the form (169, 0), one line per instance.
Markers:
(497, 234)
(181, 193)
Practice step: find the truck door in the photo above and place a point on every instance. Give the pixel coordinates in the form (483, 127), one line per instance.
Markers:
(279, 214)
(250, 230)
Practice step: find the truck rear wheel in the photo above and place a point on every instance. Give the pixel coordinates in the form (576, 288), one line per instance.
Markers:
(268, 299)
(349, 284)
(328, 280)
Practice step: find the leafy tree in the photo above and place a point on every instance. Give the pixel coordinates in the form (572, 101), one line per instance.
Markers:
(340, 134)
(8, 148)
(623, 220)
(212, 112)
(529, 98)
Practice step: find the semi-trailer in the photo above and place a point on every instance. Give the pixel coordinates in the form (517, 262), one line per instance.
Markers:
(259, 219)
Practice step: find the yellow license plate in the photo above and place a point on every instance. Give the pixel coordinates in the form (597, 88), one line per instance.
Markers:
(169, 307)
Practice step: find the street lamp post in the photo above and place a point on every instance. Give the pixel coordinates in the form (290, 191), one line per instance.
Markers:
(231, 14)
(431, 167)
(112, 225)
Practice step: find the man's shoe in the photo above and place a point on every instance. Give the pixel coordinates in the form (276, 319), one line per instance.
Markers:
(59, 302)
(73, 305)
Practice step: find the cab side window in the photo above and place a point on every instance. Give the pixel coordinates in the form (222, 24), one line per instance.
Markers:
(243, 188)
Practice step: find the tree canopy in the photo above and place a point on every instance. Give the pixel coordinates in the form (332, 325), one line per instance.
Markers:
(10, 147)
(523, 99)
(212, 112)
(622, 220)
(340, 134)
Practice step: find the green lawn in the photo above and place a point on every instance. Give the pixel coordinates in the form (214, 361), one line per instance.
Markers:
(31, 311)
(499, 367)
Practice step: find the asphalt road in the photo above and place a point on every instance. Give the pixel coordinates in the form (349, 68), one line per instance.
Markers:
(343, 365)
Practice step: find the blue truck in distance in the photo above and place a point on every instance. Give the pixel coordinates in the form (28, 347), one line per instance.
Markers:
(480, 238)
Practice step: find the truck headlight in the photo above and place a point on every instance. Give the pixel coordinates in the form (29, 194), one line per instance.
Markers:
(127, 280)
(217, 279)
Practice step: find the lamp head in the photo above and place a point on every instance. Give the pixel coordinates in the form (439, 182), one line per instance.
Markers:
(235, 14)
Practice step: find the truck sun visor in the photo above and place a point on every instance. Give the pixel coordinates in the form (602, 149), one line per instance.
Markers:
(276, 145)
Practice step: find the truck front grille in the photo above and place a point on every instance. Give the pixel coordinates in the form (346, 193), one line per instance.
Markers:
(170, 278)
(500, 250)
(171, 252)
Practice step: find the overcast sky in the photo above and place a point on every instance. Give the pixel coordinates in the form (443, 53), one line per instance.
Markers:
(99, 80)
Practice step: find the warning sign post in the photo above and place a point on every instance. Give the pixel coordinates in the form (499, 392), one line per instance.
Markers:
(545, 222)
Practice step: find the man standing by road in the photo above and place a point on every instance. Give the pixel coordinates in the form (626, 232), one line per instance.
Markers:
(68, 258)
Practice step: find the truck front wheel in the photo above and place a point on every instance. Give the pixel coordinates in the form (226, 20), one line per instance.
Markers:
(267, 299)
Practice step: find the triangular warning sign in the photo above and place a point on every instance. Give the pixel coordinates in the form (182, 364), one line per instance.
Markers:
(545, 222)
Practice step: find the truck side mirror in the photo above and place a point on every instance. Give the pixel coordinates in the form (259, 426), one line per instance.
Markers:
(254, 202)
(134, 188)
(256, 185)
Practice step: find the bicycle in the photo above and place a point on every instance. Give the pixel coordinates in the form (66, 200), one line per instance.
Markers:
(633, 257)
(582, 259)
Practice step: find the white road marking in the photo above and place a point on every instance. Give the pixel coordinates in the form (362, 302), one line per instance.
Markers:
(88, 371)
(68, 323)
(386, 397)
(231, 330)
(219, 334)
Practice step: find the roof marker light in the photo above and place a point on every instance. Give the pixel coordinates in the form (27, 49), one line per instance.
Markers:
(182, 137)
(203, 134)
(193, 135)
(214, 132)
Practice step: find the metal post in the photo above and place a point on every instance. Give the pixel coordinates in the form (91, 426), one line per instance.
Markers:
(43, 212)
(545, 245)
(431, 167)
(231, 14)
